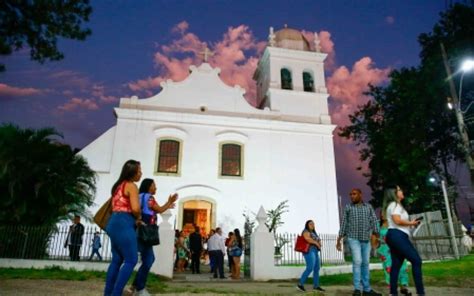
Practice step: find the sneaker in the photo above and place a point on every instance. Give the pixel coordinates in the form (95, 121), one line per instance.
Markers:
(319, 289)
(371, 293)
(143, 292)
(300, 288)
(356, 293)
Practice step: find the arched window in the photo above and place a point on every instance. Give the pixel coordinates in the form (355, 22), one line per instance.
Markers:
(168, 157)
(308, 82)
(286, 81)
(231, 160)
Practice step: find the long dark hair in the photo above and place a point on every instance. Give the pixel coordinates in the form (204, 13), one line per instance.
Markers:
(145, 185)
(129, 170)
(306, 227)
(238, 237)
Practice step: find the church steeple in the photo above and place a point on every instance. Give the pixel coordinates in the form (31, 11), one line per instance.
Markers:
(290, 76)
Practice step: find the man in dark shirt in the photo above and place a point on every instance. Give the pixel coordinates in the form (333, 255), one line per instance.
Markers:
(358, 224)
(195, 245)
(74, 238)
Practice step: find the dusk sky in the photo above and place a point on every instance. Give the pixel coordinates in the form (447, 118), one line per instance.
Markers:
(136, 44)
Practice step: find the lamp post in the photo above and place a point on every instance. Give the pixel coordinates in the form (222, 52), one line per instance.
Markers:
(455, 103)
(434, 180)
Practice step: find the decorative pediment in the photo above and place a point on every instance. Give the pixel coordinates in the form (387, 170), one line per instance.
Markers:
(202, 91)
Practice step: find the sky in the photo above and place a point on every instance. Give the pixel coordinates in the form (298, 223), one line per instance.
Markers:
(137, 44)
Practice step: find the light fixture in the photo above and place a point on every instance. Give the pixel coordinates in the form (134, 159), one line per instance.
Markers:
(450, 103)
(467, 65)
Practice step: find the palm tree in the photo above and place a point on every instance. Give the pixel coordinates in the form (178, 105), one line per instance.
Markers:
(42, 180)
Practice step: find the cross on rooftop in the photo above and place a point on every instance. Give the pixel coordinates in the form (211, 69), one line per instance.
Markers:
(206, 54)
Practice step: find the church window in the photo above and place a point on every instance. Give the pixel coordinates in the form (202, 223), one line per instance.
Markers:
(168, 157)
(231, 160)
(286, 81)
(308, 82)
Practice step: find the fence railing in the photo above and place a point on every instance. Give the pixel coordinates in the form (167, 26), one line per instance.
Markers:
(433, 239)
(285, 253)
(47, 243)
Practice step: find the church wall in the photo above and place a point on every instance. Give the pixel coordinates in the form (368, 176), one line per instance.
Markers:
(278, 165)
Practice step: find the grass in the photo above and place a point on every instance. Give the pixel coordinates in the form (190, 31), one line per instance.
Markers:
(155, 282)
(454, 273)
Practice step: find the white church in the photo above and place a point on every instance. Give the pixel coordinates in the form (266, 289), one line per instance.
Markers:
(202, 139)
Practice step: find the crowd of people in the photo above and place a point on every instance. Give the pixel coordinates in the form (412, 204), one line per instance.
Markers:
(133, 206)
(196, 248)
(363, 231)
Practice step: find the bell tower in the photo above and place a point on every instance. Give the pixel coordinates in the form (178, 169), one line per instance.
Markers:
(290, 77)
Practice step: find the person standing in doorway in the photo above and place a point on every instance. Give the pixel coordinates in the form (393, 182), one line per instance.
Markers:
(74, 238)
(195, 246)
(359, 223)
(96, 245)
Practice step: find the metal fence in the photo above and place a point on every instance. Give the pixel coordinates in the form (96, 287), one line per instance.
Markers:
(433, 240)
(285, 253)
(48, 243)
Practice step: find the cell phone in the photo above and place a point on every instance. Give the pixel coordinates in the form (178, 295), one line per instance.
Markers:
(419, 218)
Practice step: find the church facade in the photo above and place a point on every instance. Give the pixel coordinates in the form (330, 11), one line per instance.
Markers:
(202, 139)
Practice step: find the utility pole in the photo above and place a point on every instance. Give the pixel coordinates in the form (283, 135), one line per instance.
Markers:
(450, 220)
(459, 115)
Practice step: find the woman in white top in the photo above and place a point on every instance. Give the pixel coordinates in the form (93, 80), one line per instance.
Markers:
(398, 240)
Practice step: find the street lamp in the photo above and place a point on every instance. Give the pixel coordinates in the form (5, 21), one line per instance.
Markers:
(434, 179)
(467, 66)
(454, 102)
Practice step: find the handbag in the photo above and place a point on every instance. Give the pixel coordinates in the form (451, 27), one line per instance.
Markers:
(301, 244)
(149, 234)
(101, 218)
(235, 252)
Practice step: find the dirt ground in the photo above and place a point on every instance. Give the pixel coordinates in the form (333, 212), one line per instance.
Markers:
(92, 287)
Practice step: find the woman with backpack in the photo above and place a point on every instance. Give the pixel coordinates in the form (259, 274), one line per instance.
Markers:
(149, 209)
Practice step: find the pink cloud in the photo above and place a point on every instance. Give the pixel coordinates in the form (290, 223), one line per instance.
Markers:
(181, 27)
(347, 87)
(12, 91)
(98, 91)
(236, 54)
(327, 46)
(71, 79)
(78, 103)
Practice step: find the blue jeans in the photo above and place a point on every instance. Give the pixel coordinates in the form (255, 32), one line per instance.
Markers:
(147, 257)
(312, 265)
(123, 238)
(360, 250)
(401, 248)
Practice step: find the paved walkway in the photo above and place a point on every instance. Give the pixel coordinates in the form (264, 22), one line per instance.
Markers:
(94, 287)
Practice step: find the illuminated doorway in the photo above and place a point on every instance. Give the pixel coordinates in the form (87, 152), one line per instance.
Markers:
(200, 212)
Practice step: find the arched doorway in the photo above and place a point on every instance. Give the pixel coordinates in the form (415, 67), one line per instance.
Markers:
(196, 211)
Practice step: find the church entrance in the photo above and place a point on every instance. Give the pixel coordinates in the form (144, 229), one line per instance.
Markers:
(198, 212)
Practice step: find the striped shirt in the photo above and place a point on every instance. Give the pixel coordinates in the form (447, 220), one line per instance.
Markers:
(359, 221)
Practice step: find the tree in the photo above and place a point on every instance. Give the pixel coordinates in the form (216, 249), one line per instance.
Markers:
(42, 180)
(39, 23)
(406, 131)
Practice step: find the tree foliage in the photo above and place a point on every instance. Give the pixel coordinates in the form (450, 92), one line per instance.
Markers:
(42, 180)
(405, 131)
(39, 23)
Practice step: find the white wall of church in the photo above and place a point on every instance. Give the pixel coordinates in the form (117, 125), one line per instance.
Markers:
(293, 161)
